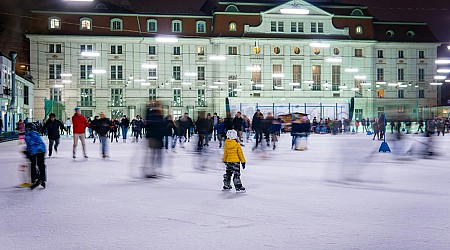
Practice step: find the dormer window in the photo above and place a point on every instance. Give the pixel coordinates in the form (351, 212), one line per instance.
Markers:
(410, 34)
(232, 26)
(277, 26)
(359, 29)
(152, 25)
(201, 27)
(116, 24)
(357, 12)
(54, 23)
(390, 33)
(232, 8)
(176, 26)
(85, 23)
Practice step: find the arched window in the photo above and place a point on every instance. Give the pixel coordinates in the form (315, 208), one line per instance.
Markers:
(152, 25)
(101, 6)
(410, 34)
(201, 26)
(85, 23)
(54, 23)
(177, 26)
(116, 24)
(357, 12)
(232, 26)
(232, 8)
(359, 29)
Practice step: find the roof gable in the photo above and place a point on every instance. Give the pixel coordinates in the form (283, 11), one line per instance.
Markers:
(297, 4)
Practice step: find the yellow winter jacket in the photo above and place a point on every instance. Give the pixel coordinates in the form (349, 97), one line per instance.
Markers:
(233, 152)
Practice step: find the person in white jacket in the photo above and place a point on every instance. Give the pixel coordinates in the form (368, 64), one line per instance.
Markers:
(68, 126)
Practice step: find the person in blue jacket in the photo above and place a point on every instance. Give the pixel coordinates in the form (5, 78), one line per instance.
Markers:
(36, 153)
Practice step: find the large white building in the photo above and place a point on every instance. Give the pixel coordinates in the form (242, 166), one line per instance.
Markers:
(327, 60)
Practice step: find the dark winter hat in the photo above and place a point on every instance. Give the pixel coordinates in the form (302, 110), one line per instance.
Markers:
(76, 108)
(52, 115)
(30, 126)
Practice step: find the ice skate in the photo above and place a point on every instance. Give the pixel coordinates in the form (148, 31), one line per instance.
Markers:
(35, 185)
(240, 190)
(227, 188)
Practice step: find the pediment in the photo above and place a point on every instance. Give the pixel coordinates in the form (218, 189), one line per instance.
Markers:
(297, 4)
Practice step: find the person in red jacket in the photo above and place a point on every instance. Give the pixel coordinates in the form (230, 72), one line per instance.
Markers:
(79, 124)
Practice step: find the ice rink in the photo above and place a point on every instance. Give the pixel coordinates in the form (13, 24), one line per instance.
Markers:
(339, 194)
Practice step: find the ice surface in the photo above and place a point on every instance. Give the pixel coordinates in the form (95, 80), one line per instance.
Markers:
(338, 194)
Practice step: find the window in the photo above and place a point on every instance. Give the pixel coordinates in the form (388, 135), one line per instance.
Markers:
(320, 27)
(232, 86)
(116, 72)
(256, 77)
(276, 79)
(380, 53)
(200, 50)
(400, 54)
(297, 76)
(297, 27)
(336, 77)
(152, 25)
(116, 97)
(86, 47)
(421, 93)
(85, 24)
(380, 75)
(177, 98)
(276, 50)
(86, 98)
(232, 50)
(400, 74)
(201, 73)
(231, 8)
(55, 94)
(401, 93)
(176, 73)
(116, 24)
(316, 51)
(54, 23)
(85, 72)
(380, 93)
(201, 26)
(176, 50)
(421, 54)
(313, 27)
(296, 50)
(54, 71)
(152, 50)
(277, 26)
(358, 52)
(410, 34)
(116, 49)
(201, 98)
(401, 109)
(316, 74)
(26, 95)
(359, 29)
(152, 74)
(421, 75)
(232, 26)
(54, 48)
(390, 33)
(357, 12)
(152, 95)
(336, 51)
(176, 26)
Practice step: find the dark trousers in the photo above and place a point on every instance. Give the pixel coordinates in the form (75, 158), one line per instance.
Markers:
(259, 135)
(233, 169)
(39, 172)
(201, 140)
(50, 146)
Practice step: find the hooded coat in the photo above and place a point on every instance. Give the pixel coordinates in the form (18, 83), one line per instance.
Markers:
(233, 152)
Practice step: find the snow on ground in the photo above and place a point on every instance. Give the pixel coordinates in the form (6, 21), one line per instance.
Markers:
(339, 194)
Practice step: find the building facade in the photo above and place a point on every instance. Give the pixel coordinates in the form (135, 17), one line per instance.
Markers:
(328, 60)
(16, 100)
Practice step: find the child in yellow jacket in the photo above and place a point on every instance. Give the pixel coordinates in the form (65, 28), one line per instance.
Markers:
(233, 157)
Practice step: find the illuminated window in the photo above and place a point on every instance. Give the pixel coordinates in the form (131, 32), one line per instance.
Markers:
(296, 50)
(54, 23)
(201, 26)
(276, 50)
(116, 24)
(316, 74)
(316, 51)
(85, 24)
(232, 26)
(380, 93)
(201, 50)
(359, 30)
(358, 53)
